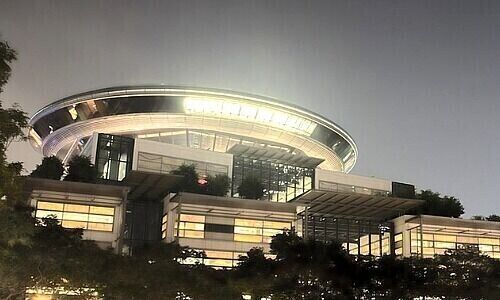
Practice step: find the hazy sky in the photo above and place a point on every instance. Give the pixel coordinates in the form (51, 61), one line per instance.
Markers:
(416, 83)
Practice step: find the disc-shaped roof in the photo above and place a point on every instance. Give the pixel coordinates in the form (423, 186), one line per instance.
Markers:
(138, 109)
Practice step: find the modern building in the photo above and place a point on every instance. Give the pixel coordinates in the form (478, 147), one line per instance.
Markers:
(137, 135)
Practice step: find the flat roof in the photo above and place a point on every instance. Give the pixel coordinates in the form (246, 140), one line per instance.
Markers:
(32, 183)
(352, 205)
(453, 222)
(230, 202)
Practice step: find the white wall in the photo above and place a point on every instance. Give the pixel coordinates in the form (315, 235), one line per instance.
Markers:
(101, 237)
(353, 180)
(182, 152)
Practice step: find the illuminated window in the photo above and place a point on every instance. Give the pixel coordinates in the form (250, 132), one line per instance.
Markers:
(191, 226)
(248, 238)
(164, 226)
(281, 182)
(257, 231)
(89, 217)
(114, 156)
(247, 111)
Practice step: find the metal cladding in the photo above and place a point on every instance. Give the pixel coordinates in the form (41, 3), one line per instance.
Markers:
(147, 111)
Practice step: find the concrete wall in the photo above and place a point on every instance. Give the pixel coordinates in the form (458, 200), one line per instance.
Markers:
(353, 180)
(142, 145)
(223, 210)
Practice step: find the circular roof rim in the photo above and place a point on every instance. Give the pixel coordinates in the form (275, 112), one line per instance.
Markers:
(75, 99)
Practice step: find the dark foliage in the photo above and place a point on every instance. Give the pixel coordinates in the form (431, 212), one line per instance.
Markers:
(81, 169)
(189, 182)
(493, 218)
(251, 187)
(217, 185)
(7, 56)
(436, 205)
(306, 269)
(50, 168)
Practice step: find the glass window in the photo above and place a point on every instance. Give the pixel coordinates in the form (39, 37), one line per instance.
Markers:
(272, 232)
(100, 226)
(248, 223)
(281, 182)
(47, 213)
(114, 156)
(50, 205)
(101, 210)
(192, 218)
(74, 224)
(247, 230)
(75, 216)
(277, 225)
(248, 238)
(218, 262)
(445, 238)
(190, 226)
(191, 234)
(77, 208)
(78, 215)
(219, 254)
(488, 241)
(447, 245)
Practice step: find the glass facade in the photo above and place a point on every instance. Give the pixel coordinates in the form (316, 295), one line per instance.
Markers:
(346, 188)
(242, 230)
(190, 226)
(243, 111)
(88, 217)
(114, 156)
(257, 231)
(431, 240)
(282, 182)
(235, 229)
(358, 237)
(211, 141)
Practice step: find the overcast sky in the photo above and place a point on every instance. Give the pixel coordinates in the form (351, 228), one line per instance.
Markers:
(416, 83)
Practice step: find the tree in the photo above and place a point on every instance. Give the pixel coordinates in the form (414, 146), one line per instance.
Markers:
(81, 169)
(193, 183)
(251, 187)
(189, 182)
(434, 204)
(7, 56)
(493, 218)
(50, 168)
(12, 122)
(217, 185)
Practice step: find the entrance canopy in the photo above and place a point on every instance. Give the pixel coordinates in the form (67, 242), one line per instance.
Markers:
(358, 206)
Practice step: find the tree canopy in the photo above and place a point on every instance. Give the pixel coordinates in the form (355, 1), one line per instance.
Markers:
(217, 185)
(7, 56)
(81, 169)
(50, 168)
(251, 187)
(437, 205)
(192, 182)
(308, 269)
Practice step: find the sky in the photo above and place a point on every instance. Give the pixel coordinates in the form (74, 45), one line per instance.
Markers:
(415, 83)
